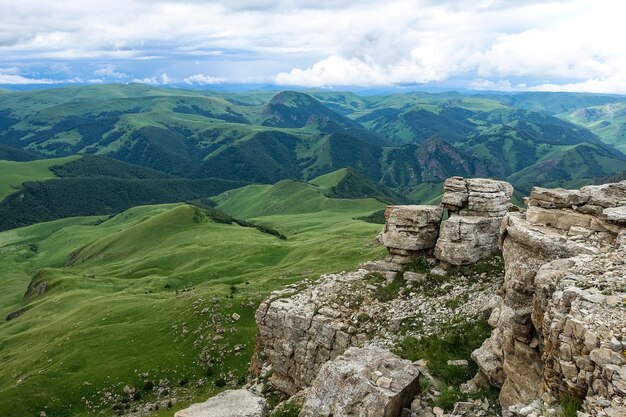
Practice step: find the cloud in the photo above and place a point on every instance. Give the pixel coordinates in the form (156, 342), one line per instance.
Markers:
(109, 70)
(324, 42)
(203, 79)
(11, 75)
(163, 79)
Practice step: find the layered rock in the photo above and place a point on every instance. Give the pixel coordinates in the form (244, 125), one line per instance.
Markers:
(231, 403)
(366, 382)
(476, 207)
(520, 355)
(410, 231)
(308, 324)
(580, 309)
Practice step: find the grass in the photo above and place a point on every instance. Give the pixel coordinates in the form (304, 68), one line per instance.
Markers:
(14, 174)
(458, 339)
(151, 291)
(569, 405)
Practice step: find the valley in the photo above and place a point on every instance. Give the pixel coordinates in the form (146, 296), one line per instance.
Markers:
(141, 227)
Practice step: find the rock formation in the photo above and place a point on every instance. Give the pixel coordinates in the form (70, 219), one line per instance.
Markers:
(231, 403)
(476, 208)
(541, 344)
(373, 383)
(409, 231)
(559, 319)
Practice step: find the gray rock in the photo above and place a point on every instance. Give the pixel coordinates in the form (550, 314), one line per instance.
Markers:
(344, 388)
(231, 403)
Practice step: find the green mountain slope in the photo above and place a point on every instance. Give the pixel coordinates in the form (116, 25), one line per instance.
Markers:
(13, 174)
(607, 121)
(100, 304)
(87, 196)
(286, 197)
(348, 183)
(264, 137)
(570, 168)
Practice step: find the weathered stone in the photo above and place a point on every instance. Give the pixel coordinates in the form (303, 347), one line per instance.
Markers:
(477, 207)
(410, 230)
(231, 403)
(558, 197)
(615, 214)
(343, 386)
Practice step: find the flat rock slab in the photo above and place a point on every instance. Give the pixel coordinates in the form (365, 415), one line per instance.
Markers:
(231, 403)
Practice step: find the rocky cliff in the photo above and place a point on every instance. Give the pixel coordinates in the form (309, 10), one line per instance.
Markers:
(558, 311)
(563, 301)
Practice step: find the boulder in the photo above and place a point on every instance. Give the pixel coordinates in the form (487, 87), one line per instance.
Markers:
(231, 403)
(364, 382)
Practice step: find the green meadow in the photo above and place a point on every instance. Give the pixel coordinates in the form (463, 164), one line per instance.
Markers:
(14, 174)
(149, 295)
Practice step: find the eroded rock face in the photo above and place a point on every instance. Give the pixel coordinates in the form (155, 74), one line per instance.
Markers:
(538, 345)
(366, 382)
(410, 231)
(231, 403)
(304, 326)
(476, 207)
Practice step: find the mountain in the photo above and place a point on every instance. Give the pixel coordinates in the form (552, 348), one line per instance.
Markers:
(263, 137)
(607, 121)
(348, 183)
(570, 168)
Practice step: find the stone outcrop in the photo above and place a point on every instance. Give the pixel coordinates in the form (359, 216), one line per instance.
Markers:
(410, 231)
(559, 319)
(476, 208)
(231, 403)
(308, 324)
(366, 382)
(580, 309)
(534, 325)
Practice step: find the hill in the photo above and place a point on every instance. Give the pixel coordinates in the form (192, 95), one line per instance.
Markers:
(48, 200)
(14, 173)
(348, 183)
(264, 137)
(101, 303)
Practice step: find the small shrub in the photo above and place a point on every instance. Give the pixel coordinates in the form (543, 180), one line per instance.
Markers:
(183, 382)
(390, 291)
(148, 386)
(288, 410)
(220, 383)
(569, 405)
(449, 396)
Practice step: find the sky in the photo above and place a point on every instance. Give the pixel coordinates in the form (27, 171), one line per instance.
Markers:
(502, 45)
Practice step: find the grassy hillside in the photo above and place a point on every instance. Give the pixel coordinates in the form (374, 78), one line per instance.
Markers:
(13, 174)
(286, 197)
(263, 137)
(149, 295)
(85, 196)
(348, 183)
(607, 121)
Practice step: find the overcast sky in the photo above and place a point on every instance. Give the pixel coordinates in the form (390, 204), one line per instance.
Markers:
(577, 45)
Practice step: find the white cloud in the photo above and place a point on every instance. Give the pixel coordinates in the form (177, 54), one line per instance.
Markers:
(109, 70)
(327, 42)
(163, 79)
(11, 75)
(203, 79)
(147, 80)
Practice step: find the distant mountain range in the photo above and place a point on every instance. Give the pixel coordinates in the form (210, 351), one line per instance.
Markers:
(400, 141)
